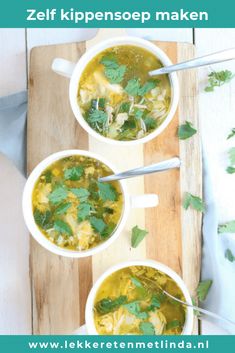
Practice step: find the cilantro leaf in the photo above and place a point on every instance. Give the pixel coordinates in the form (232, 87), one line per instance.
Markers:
(132, 87)
(112, 70)
(193, 201)
(186, 130)
(58, 194)
(229, 255)
(98, 224)
(138, 113)
(137, 236)
(228, 227)
(203, 289)
(63, 208)
(217, 79)
(150, 123)
(62, 227)
(84, 210)
(108, 230)
(231, 134)
(43, 219)
(231, 154)
(155, 303)
(173, 324)
(124, 107)
(230, 170)
(98, 116)
(107, 192)
(136, 282)
(108, 305)
(147, 328)
(73, 173)
(148, 86)
(134, 309)
(81, 193)
(48, 176)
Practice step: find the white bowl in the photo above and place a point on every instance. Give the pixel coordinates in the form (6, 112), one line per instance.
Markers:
(147, 200)
(89, 316)
(68, 69)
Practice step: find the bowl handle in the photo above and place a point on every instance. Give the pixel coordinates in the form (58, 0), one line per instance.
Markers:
(144, 201)
(63, 67)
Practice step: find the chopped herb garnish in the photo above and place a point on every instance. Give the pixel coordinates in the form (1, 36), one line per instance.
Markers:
(43, 219)
(231, 134)
(98, 224)
(155, 303)
(147, 328)
(230, 170)
(124, 107)
(150, 123)
(62, 227)
(112, 70)
(193, 201)
(231, 154)
(148, 86)
(84, 211)
(107, 191)
(108, 230)
(132, 87)
(217, 79)
(48, 176)
(138, 113)
(134, 309)
(137, 236)
(108, 305)
(136, 282)
(173, 324)
(63, 208)
(203, 289)
(98, 116)
(73, 173)
(229, 255)
(228, 227)
(81, 193)
(58, 195)
(186, 130)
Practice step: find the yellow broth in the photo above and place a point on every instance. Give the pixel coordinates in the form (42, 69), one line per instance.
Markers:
(118, 98)
(71, 208)
(131, 301)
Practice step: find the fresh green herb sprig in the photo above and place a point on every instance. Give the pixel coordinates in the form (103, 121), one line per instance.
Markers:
(186, 131)
(203, 289)
(231, 134)
(194, 201)
(137, 236)
(228, 227)
(229, 255)
(218, 78)
(112, 70)
(108, 305)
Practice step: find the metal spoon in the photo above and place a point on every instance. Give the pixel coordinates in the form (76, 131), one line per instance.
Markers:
(214, 58)
(153, 168)
(203, 311)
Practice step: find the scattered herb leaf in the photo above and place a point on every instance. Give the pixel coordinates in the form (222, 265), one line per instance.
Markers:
(134, 309)
(217, 79)
(136, 282)
(150, 123)
(203, 289)
(231, 134)
(132, 87)
(173, 324)
(81, 193)
(98, 116)
(231, 154)
(43, 219)
(84, 211)
(98, 224)
(112, 70)
(107, 192)
(148, 86)
(229, 255)
(228, 227)
(193, 201)
(230, 170)
(137, 236)
(186, 130)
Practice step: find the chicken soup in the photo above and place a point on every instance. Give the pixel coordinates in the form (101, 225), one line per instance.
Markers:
(117, 97)
(132, 301)
(72, 208)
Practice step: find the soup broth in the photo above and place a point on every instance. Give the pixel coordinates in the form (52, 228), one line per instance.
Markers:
(71, 208)
(117, 97)
(131, 301)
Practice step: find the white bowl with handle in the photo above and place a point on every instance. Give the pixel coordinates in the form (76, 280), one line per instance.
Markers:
(89, 327)
(75, 70)
(141, 201)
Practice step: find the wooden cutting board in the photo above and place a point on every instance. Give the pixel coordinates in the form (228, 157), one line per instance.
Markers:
(60, 285)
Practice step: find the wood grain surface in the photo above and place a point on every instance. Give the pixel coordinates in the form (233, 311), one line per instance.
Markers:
(60, 285)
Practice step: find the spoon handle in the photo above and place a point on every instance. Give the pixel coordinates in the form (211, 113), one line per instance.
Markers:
(214, 58)
(153, 168)
(203, 311)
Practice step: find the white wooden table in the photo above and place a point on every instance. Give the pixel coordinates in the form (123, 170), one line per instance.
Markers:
(15, 45)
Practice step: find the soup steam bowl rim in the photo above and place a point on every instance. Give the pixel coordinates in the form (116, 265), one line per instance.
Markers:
(109, 43)
(28, 209)
(89, 317)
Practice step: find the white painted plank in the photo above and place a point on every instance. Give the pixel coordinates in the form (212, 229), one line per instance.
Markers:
(164, 34)
(216, 112)
(13, 68)
(15, 297)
